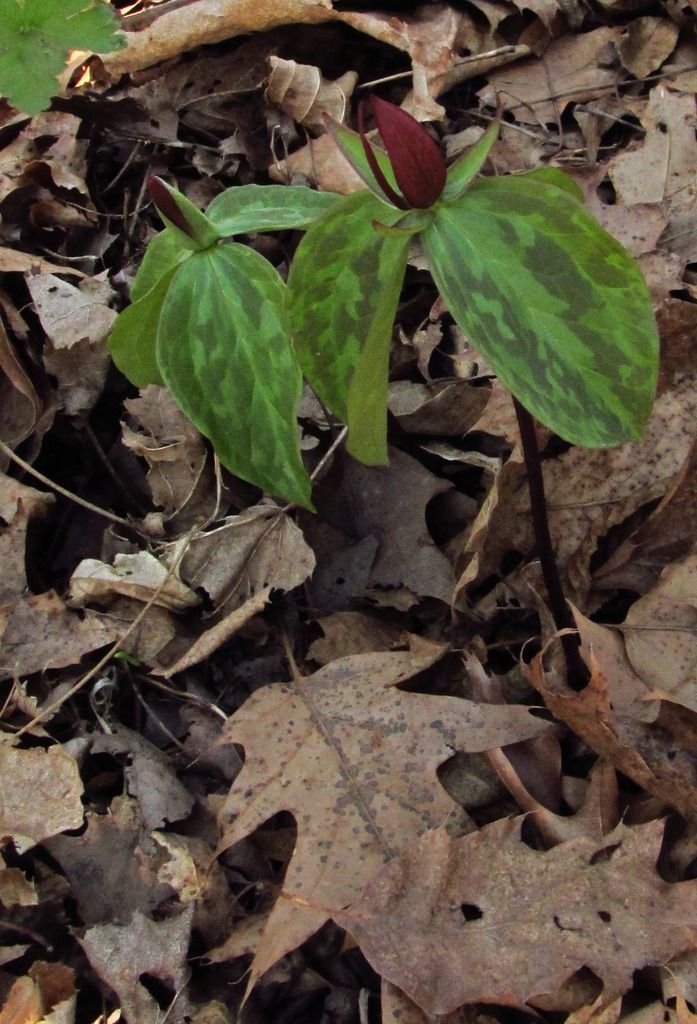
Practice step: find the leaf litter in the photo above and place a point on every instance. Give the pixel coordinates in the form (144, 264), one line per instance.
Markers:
(264, 764)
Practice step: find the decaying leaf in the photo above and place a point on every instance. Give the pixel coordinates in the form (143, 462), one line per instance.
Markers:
(40, 794)
(41, 632)
(485, 918)
(123, 954)
(354, 760)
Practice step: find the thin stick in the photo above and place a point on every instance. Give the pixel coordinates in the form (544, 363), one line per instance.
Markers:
(67, 494)
(561, 612)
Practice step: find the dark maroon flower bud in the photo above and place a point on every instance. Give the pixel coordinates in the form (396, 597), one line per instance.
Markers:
(417, 162)
(167, 205)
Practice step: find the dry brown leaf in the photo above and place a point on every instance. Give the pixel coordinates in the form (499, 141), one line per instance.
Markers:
(46, 994)
(77, 322)
(259, 549)
(302, 91)
(209, 641)
(40, 793)
(453, 921)
(19, 505)
(20, 406)
(647, 44)
(149, 777)
(354, 633)
(445, 408)
(652, 756)
(139, 575)
(112, 866)
(16, 889)
(16, 261)
(390, 503)
(660, 635)
(354, 760)
(122, 954)
(573, 68)
(180, 475)
(398, 1008)
(41, 632)
(662, 166)
(322, 163)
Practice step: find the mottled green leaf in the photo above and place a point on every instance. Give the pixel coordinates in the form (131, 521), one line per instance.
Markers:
(224, 351)
(462, 172)
(555, 304)
(133, 337)
(163, 253)
(351, 146)
(553, 176)
(343, 289)
(268, 208)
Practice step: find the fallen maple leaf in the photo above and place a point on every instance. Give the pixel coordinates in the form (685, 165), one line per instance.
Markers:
(485, 918)
(354, 760)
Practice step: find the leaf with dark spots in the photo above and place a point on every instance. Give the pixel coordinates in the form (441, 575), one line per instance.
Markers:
(485, 918)
(354, 760)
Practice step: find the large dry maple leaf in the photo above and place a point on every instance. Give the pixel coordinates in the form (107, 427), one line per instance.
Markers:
(485, 918)
(354, 760)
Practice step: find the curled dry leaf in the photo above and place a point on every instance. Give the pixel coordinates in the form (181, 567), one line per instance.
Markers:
(453, 921)
(139, 575)
(40, 793)
(302, 91)
(648, 43)
(180, 475)
(354, 760)
(660, 762)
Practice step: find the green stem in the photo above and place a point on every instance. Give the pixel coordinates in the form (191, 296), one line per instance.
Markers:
(561, 613)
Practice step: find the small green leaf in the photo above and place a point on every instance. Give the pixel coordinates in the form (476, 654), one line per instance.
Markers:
(163, 253)
(246, 208)
(132, 340)
(553, 302)
(343, 289)
(553, 176)
(193, 228)
(463, 171)
(351, 146)
(36, 37)
(224, 351)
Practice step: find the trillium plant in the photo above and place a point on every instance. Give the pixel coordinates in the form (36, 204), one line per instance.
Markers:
(554, 304)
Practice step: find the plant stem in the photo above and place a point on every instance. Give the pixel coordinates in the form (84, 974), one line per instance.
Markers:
(561, 613)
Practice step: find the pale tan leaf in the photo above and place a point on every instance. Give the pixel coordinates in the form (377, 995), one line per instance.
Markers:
(454, 921)
(302, 91)
(354, 760)
(139, 575)
(40, 794)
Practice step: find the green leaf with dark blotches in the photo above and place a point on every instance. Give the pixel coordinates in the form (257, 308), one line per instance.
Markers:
(351, 146)
(163, 253)
(343, 289)
(462, 172)
(36, 37)
(133, 338)
(553, 176)
(224, 351)
(246, 208)
(558, 308)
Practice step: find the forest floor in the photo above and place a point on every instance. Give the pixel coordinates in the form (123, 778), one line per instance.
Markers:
(253, 752)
